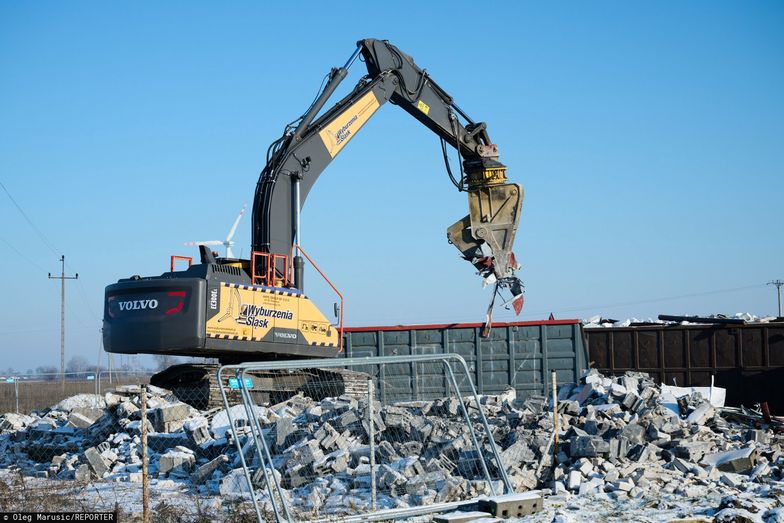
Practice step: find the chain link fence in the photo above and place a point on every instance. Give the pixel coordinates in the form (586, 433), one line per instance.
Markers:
(24, 393)
(87, 436)
(353, 443)
(288, 441)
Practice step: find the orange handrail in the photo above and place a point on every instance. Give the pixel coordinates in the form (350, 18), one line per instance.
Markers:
(175, 258)
(270, 277)
(299, 248)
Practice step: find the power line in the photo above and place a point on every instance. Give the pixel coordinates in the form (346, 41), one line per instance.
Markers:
(29, 221)
(21, 255)
(45, 240)
(83, 294)
(53, 329)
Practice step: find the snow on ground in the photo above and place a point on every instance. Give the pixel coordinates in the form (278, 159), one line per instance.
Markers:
(38, 494)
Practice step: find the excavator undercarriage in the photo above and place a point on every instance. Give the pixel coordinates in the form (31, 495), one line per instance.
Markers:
(197, 385)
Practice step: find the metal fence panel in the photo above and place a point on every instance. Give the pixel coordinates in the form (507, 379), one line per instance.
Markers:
(340, 448)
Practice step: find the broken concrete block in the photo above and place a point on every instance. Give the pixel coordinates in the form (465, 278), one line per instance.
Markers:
(513, 505)
(284, 428)
(176, 462)
(619, 448)
(83, 473)
(162, 442)
(95, 462)
(91, 413)
(731, 479)
(469, 463)
(612, 475)
(631, 401)
(297, 476)
(234, 484)
(202, 473)
(197, 431)
(758, 436)
(127, 409)
(517, 453)
(308, 453)
(692, 450)
(346, 420)
(740, 461)
(625, 484)
(634, 433)
(102, 428)
(701, 414)
(461, 517)
(12, 422)
(334, 440)
(584, 466)
(170, 418)
(390, 477)
(574, 480)
(591, 486)
(79, 421)
(385, 453)
(109, 456)
(588, 446)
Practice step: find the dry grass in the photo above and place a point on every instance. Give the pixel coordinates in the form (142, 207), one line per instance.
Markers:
(21, 494)
(34, 395)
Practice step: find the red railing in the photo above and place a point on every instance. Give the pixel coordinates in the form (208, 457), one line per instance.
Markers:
(299, 248)
(175, 258)
(270, 277)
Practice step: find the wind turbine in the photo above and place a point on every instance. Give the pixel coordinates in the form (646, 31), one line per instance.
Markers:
(228, 241)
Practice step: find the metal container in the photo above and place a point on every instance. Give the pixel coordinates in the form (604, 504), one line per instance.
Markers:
(517, 354)
(747, 360)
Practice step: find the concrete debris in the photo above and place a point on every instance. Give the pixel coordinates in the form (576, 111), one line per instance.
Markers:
(740, 460)
(81, 401)
(175, 462)
(461, 517)
(617, 439)
(96, 462)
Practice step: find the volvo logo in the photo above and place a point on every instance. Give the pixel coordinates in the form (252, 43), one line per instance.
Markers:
(136, 305)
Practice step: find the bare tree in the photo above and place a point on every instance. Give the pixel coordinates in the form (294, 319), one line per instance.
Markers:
(48, 372)
(78, 365)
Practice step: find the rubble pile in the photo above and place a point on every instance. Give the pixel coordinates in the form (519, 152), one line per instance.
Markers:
(320, 449)
(616, 439)
(599, 321)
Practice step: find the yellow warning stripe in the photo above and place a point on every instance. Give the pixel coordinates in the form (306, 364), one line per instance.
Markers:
(251, 338)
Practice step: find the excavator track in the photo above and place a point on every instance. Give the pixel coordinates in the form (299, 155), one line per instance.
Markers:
(197, 384)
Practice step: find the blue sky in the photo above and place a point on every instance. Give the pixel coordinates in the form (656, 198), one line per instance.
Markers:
(648, 139)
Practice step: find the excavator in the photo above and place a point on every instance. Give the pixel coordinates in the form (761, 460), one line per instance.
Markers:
(241, 310)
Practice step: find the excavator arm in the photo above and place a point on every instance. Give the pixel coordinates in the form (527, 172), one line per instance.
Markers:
(307, 146)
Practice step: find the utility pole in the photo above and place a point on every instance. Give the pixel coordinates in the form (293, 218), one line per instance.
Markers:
(778, 284)
(62, 279)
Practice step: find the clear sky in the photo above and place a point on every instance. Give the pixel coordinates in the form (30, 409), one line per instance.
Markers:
(649, 139)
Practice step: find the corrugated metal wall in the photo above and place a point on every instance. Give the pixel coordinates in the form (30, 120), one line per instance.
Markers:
(520, 354)
(747, 360)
